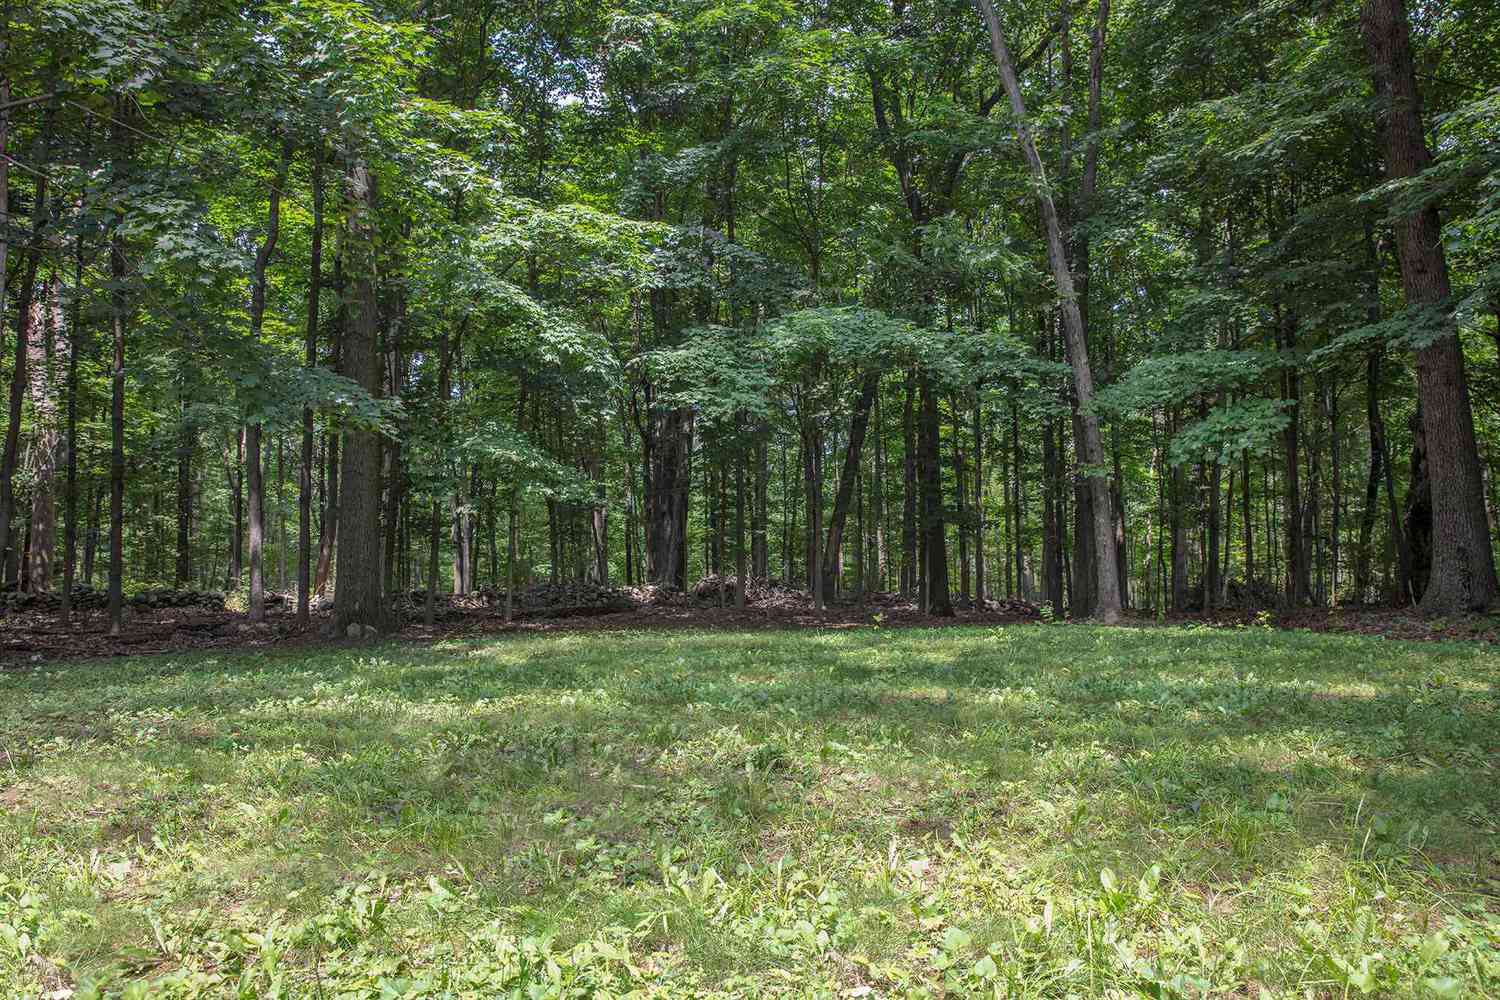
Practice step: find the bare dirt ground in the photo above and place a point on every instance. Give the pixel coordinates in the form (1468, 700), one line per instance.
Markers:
(38, 636)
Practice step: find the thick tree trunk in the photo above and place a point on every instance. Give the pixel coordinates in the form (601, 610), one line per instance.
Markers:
(25, 297)
(667, 502)
(45, 326)
(357, 598)
(1463, 565)
(1090, 446)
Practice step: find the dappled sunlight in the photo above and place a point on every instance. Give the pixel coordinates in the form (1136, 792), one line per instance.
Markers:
(721, 804)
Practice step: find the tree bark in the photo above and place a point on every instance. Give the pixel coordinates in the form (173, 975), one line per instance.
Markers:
(310, 360)
(253, 431)
(934, 527)
(1090, 446)
(357, 598)
(853, 450)
(117, 429)
(45, 324)
(909, 491)
(1463, 566)
(1298, 581)
(70, 443)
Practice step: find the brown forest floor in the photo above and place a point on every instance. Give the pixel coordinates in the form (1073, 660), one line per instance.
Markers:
(34, 637)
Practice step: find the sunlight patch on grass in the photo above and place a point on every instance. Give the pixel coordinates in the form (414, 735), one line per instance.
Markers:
(1025, 811)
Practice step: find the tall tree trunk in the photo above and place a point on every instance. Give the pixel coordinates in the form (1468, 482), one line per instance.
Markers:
(858, 426)
(253, 431)
(236, 480)
(357, 598)
(909, 490)
(880, 574)
(70, 503)
(1248, 523)
(1178, 527)
(18, 374)
(934, 527)
(760, 560)
(117, 426)
(1336, 472)
(185, 441)
(329, 527)
(45, 325)
(1090, 446)
(667, 501)
(1463, 565)
(960, 492)
(1298, 580)
(740, 566)
(1372, 482)
(310, 361)
(979, 582)
(435, 535)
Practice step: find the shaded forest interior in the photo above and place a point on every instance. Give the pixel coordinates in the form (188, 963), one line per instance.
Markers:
(1083, 306)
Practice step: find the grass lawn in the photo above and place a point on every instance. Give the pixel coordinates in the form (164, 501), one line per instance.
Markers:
(1029, 811)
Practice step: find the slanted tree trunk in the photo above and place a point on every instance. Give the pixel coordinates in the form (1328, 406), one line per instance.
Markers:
(357, 598)
(1090, 446)
(1463, 565)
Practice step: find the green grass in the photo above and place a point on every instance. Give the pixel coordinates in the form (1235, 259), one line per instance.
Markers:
(1029, 811)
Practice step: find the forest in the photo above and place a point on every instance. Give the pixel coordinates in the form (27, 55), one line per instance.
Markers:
(808, 499)
(1100, 307)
